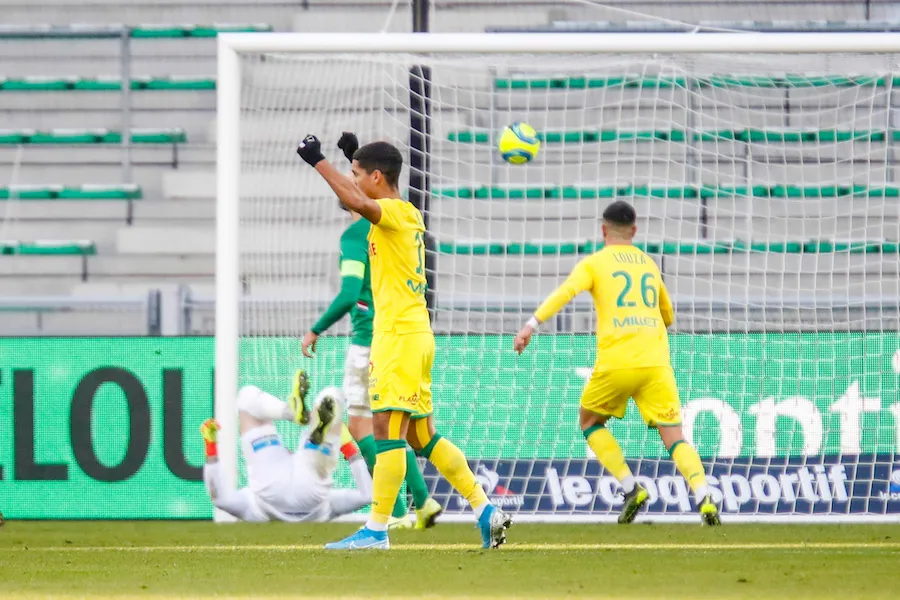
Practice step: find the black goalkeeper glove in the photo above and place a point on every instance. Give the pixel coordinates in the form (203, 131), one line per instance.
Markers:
(310, 150)
(349, 144)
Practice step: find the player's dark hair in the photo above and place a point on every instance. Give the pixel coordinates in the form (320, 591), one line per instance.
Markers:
(620, 213)
(381, 156)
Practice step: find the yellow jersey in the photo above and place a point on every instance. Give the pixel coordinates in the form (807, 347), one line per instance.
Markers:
(633, 307)
(397, 264)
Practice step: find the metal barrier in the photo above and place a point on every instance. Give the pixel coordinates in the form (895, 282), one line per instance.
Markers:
(81, 315)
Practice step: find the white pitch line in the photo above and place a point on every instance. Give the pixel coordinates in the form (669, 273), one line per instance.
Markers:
(525, 547)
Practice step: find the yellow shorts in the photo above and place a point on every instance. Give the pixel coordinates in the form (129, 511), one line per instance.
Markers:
(653, 389)
(400, 372)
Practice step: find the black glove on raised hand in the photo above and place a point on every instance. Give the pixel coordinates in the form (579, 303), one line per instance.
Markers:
(310, 150)
(349, 144)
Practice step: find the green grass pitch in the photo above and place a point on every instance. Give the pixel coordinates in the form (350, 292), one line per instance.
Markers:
(199, 559)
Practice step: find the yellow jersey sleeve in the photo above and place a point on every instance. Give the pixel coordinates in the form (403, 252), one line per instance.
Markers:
(666, 310)
(579, 280)
(394, 217)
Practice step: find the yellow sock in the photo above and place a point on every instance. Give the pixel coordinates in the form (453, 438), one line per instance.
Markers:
(608, 451)
(451, 463)
(390, 470)
(688, 462)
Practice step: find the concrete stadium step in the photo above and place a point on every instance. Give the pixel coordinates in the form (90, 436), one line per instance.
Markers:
(14, 211)
(168, 155)
(174, 211)
(57, 284)
(186, 64)
(144, 100)
(101, 232)
(22, 265)
(179, 125)
(129, 266)
(147, 176)
(269, 239)
(279, 181)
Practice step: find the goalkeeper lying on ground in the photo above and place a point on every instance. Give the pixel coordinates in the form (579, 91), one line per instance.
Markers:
(285, 486)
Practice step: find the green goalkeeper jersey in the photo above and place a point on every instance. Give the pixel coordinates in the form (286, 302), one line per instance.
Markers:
(355, 296)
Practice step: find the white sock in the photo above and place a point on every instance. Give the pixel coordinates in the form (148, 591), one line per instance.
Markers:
(262, 405)
(361, 477)
(700, 494)
(376, 526)
(627, 484)
(480, 510)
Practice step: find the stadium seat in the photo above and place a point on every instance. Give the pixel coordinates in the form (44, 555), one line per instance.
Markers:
(672, 247)
(90, 136)
(48, 247)
(82, 192)
(644, 81)
(141, 31)
(104, 84)
(673, 192)
(678, 135)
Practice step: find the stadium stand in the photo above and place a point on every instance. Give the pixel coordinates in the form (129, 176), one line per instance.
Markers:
(77, 228)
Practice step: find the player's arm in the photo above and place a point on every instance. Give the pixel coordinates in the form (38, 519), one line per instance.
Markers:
(236, 503)
(346, 189)
(352, 274)
(579, 280)
(666, 310)
(310, 150)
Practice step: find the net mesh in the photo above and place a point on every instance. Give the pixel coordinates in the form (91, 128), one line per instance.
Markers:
(766, 190)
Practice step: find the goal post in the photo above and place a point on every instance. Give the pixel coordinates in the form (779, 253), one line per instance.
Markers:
(765, 173)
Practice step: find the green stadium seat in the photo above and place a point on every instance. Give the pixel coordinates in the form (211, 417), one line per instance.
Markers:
(90, 136)
(149, 30)
(679, 135)
(104, 84)
(82, 192)
(673, 192)
(48, 247)
(692, 247)
(642, 81)
(153, 30)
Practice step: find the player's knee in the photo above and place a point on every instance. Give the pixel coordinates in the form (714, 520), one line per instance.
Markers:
(425, 450)
(588, 419)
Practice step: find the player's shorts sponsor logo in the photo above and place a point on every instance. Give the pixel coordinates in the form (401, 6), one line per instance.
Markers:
(670, 416)
(412, 400)
(499, 495)
(893, 491)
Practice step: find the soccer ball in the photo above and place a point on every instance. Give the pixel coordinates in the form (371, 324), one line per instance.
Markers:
(518, 143)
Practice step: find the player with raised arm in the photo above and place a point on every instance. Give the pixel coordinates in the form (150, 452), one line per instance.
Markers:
(355, 298)
(402, 344)
(633, 313)
(285, 486)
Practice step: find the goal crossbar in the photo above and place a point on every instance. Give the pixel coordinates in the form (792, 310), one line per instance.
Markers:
(561, 43)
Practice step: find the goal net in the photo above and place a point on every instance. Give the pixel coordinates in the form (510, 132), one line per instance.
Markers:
(765, 179)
